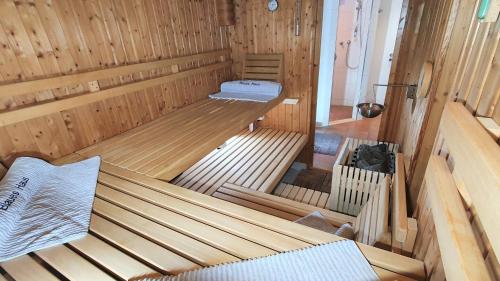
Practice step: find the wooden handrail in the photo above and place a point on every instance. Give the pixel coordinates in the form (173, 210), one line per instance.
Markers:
(25, 87)
(462, 258)
(39, 110)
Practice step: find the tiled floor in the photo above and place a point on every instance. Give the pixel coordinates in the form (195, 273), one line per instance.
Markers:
(363, 129)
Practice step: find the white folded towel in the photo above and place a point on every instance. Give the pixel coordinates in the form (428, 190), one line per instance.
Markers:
(42, 205)
(249, 90)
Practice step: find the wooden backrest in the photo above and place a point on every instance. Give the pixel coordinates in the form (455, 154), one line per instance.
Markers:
(169, 71)
(264, 67)
(372, 223)
(459, 202)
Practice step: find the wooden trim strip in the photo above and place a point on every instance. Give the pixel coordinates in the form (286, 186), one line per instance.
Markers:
(399, 211)
(15, 116)
(21, 88)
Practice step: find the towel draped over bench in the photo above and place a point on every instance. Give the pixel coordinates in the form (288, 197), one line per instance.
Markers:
(249, 90)
(42, 205)
(340, 261)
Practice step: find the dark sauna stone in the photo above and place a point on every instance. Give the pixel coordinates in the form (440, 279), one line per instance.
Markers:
(376, 158)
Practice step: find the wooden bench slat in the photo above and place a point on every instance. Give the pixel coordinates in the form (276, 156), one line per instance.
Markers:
(261, 69)
(260, 63)
(279, 189)
(71, 265)
(227, 242)
(153, 254)
(113, 260)
(263, 161)
(216, 174)
(284, 204)
(281, 164)
(184, 245)
(216, 158)
(237, 227)
(25, 268)
(300, 194)
(252, 205)
(253, 161)
(262, 76)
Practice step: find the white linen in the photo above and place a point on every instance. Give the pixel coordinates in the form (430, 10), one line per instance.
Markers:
(42, 205)
(249, 90)
(340, 261)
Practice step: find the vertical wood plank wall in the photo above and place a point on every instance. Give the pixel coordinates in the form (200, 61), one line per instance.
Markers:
(42, 38)
(464, 52)
(259, 31)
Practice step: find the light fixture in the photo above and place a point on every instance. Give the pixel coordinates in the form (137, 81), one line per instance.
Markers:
(272, 5)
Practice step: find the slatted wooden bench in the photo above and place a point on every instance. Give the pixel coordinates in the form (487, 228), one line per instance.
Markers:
(302, 194)
(276, 206)
(169, 145)
(141, 226)
(255, 160)
(371, 226)
(457, 207)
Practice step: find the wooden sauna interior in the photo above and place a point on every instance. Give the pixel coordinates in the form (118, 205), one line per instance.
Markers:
(184, 184)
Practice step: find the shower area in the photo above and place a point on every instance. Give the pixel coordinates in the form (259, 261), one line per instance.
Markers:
(365, 41)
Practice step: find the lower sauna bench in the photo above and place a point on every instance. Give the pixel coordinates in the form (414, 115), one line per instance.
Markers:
(254, 160)
(143, 227)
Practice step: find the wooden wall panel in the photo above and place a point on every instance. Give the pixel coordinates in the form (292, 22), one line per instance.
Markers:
(464, 52)
(259, 31)
(42, 38)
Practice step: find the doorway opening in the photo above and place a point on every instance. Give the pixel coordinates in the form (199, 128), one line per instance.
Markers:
(360, 35)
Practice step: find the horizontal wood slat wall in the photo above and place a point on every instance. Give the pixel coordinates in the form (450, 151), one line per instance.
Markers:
(40, 39)
(259, 31)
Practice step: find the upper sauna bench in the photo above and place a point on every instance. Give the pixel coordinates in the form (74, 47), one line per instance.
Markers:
(168, 146)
